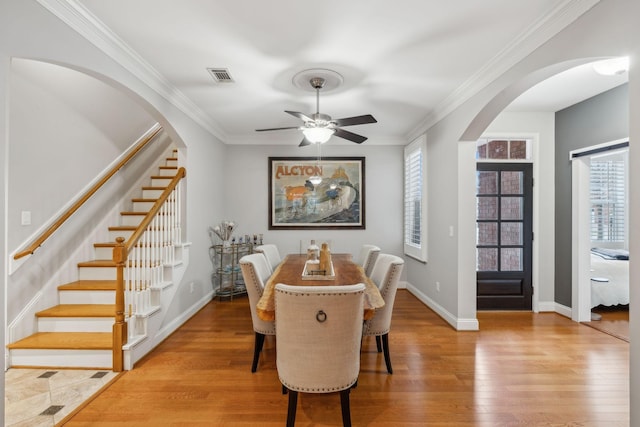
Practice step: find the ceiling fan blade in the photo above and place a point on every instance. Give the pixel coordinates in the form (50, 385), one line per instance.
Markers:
(305, 142)
(290, 127)
(299, 115)
(354, 137)
(357, 120)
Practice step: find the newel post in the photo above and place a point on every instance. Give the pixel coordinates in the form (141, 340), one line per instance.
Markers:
(120, 326)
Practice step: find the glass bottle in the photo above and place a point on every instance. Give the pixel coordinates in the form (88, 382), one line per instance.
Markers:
(313, 251)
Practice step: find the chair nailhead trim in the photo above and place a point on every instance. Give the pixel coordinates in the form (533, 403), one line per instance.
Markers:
(318, 390)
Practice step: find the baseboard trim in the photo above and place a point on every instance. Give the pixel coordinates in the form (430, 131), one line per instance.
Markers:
(457, 323)
(182, 319)
(563, 310)
(544, 306)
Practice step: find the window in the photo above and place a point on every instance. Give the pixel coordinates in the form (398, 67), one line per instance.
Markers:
(415, 212)
(492, 149)
(607, 194)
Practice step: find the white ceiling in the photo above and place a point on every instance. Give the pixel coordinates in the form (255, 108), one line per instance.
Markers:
(401, 61)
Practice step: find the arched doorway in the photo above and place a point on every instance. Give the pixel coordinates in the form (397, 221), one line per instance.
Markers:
(545, 295)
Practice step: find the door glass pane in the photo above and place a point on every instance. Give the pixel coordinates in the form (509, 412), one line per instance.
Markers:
(511, 182)
(487, 259)
(511, 233)
(487, 233)
(511, 259)
(487, 182)
(511, 208)
(487, 208)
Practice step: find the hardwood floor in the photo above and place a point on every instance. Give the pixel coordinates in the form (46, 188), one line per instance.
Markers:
(521, 369)
(613, 321)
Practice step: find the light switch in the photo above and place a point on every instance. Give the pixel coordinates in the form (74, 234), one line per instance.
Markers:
(26, 218)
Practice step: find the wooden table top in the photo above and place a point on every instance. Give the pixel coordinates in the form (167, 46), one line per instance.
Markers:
(290, 272)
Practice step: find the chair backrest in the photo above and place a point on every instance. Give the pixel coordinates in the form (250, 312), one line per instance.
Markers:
(367, 258)
(386, 275)
(270, 251)
(255, 272)
(318, 330)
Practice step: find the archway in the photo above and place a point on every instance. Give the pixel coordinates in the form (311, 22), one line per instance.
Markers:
(479, 124)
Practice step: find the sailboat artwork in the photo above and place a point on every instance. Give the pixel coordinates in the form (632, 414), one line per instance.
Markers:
(307, 193)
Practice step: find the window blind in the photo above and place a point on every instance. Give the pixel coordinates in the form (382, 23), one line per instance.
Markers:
(415, 200)
(607, 197)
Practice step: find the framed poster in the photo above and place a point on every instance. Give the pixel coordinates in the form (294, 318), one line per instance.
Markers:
(337, 201)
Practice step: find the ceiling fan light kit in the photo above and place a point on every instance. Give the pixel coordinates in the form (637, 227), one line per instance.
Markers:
(318, 128)
(317, 135)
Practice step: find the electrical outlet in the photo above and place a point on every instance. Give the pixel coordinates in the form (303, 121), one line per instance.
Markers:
(438, 286)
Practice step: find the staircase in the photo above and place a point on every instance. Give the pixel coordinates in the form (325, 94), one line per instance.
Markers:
(77, 333)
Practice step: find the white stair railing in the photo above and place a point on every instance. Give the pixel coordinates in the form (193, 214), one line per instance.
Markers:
(140, 264)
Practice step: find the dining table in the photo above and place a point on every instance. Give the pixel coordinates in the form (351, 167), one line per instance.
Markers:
(345, 272)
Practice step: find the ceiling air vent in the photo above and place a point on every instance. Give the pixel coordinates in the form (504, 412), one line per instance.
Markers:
(220, 75)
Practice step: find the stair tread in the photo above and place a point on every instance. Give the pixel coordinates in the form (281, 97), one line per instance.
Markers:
(66, 340)
(97, 263)
(89, 285)
(104, 244)
(79, 310)
(122, 227)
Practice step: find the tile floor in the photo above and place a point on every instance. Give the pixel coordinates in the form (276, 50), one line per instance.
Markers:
(44, 397)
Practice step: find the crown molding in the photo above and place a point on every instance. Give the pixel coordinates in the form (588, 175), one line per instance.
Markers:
(76, 16)
(519, 48)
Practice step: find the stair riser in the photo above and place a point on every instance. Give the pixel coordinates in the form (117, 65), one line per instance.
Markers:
(100, 359)
(160, 182)
(75, 324)
(97, 273)
(102, 253)
(131, 219)
(173, 163)
(142, 206)
(113, 234)
(107, 253)
(151, 194)
(171, 171)
(87, 297)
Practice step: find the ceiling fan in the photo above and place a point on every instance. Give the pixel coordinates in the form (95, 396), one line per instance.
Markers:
(318, 128)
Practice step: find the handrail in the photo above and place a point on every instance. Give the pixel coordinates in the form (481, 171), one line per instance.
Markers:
(64, 217)
(120, 256)
(140, 229)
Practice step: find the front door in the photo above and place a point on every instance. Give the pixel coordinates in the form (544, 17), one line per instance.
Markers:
(504, 236)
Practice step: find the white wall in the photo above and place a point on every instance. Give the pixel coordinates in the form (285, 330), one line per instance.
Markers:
(541, 127)
(246, 200)
(62, 136)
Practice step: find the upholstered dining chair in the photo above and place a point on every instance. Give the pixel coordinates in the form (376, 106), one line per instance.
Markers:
(255, 272)
(319, 332)
(270, 251)
(367, 258)
(386, 275)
